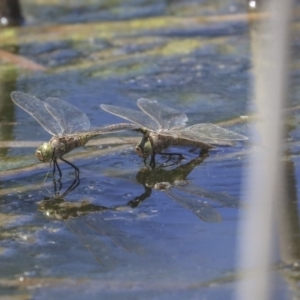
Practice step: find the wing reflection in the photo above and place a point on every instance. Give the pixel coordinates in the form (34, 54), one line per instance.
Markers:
(173, 182)
(86, 221)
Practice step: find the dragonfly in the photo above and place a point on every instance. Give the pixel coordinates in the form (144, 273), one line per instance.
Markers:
(163, 126)
(68, 125)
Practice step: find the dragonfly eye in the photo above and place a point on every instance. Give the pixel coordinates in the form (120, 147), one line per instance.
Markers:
(144, 148)
(139, 151)
(44, 152)
(147, 151)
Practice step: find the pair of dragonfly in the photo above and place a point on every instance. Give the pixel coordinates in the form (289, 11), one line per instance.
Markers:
(160, 125)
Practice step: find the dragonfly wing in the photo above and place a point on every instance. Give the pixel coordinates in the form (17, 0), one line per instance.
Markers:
(107, 129)
(70, 118)
(202, 209)
(131, 115)
(222, 198)
(210, 133)
(119, 237)
(167, 118)
(91, 241)
(36, 108)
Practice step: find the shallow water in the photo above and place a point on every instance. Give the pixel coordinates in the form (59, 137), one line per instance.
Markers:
(128, 240)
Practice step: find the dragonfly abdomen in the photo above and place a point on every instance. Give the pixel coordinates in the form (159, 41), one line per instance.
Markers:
(161, 142)
(186, 142)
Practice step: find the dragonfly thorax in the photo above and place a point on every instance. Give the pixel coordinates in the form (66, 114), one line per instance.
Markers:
(44, 152)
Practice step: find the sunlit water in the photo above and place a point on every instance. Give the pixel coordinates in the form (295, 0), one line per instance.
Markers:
(124, 248)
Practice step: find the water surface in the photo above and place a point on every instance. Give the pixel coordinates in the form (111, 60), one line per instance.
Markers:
(127, 240)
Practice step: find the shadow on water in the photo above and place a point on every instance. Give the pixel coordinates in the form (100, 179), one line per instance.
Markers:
(174, 180)
(86, 221)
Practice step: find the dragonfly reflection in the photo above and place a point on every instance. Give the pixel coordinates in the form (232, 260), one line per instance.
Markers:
(163, 126)
(68, 125)
(172, 181)
(87, 222)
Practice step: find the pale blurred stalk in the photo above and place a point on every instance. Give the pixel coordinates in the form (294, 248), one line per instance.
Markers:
(264, 186)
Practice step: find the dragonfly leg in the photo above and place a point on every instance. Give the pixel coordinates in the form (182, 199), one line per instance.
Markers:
(53, 161)
(58, 168)
(76, 181)
(180, 156)
(145, 163)
(55, 165)
(72, 187)
(152, 161)
(57, 190)
(172, 153)
(194, 149)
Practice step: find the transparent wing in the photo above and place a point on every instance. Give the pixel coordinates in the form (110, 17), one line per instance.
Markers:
(70, 118)
(131, 115)
(202, 209)
(107, 129)
(166, 118)
(92, 242)
(119, 237)
(209, 133)
(223, 198)
(36, 108)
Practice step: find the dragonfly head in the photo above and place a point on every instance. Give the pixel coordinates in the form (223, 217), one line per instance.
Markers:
(144, 148)
(44, 152)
